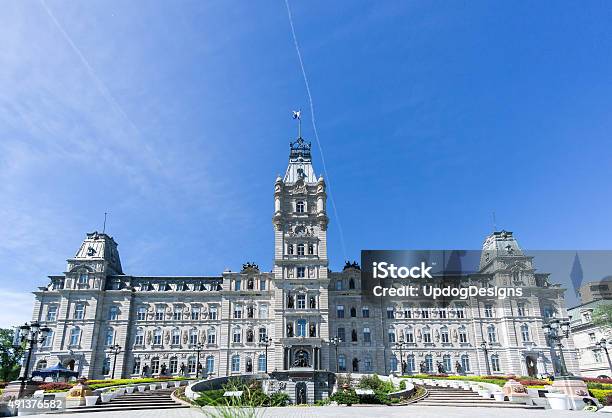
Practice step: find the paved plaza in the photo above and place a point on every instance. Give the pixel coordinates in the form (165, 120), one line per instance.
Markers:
(343, 411)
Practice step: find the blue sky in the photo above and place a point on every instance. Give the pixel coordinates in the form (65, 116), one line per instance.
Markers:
(176, 117)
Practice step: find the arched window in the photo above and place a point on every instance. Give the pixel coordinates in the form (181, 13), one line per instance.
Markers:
(301, 328)
(342, 362)
(393, 363)
(83, 277)
(429, 363)
(300, 207)
(235, 363)
(465, 363)
(212, 336)
(191, 364)
(210, 364)
(42, 364)
(495, 363)
(75, 336)
(261, 363)
(492, 334)
(525, 333)
(351, 283)
(446, 362)
(193, 336)
(411, 363)
(139, 339)
(173, 365)
(110, 336)
(263, 334)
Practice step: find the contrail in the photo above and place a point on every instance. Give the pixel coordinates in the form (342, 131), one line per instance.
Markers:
(99, 83)
(314, 126)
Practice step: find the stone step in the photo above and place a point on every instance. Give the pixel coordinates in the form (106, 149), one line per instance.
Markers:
(103, 408)
(479, 405)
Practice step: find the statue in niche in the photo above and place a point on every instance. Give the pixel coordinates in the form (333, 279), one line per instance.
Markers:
(458, 367)
(167, 336)
(289, 329)
(290, 301)
(290, 273)
(440, 368)
(455, 335)
(312, 330)
(149, 336)
(249, 336)
(313, 302)
(250, 312)
(185, 337)
(311, 272)
(301, 359)
(423, 367)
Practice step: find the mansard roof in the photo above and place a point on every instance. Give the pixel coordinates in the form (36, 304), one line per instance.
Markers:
(300, 163)
(100, 246)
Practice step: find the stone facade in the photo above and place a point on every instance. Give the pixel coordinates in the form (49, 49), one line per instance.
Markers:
(165, 324)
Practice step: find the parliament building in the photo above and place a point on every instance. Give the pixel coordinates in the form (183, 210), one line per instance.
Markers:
(299, 316)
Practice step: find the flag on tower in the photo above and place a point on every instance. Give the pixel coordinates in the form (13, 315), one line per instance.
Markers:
(297, 114)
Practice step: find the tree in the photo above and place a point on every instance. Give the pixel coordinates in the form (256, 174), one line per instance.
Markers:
(602, 316)
(10, 357)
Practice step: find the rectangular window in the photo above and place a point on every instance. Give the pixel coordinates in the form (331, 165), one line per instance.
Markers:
(426, 337)
(407, 313)
(424, 313)
(263, 311)
(52, 313)
(212, 337)
(341, 334)
(460, 313)
(442, 314)
(301, 301)
(79, 311)
(367, 336)
(177, 314)
(444, 337)
(391, 335)
(176, 337)
(213, 312)
(113, 313)
(463, 337)
(409, 337)
(495, 364)
(488, 311)
(521, 309)
(390, 313)
(365, 312)
(338, 284)
(136, 368)
(236, 336)
(141, 314)
(195, 313)
(159, 313)
(237, 311)
(340, 311)
(301, 272)
(237, 284)
(262, 284)
(157, 337)
(235, 364)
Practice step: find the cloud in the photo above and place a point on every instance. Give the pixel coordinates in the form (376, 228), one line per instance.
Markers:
(16, 308)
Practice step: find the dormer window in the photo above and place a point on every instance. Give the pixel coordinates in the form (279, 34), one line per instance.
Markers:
(300, 207)
(83, 277)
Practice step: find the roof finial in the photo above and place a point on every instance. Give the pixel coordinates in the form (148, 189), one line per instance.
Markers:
(297, 114)
(104, 227)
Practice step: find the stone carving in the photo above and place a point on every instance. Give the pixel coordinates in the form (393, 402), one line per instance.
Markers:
(149, 336)
(185, 336)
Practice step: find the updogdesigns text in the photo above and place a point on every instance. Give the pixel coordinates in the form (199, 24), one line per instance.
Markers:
(449, 291)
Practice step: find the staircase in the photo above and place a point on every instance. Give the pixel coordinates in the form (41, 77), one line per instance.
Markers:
(440, 396)
(155, 399)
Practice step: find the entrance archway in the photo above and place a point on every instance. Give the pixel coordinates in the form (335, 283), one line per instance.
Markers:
(532, 366)
(300, 393)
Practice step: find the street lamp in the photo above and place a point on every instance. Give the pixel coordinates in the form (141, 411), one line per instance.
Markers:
(400, 345)
(114, 349)
(484, 347)
(336, 341)
(30, 334)
(556, 331)
(266, 341)
(199, 346)
(603, 345)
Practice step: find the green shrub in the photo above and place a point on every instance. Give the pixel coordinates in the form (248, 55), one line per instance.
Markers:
(279, 399)
(402, 385)
(211, 398)
(345, 397)
(376, 383)
(601, 395)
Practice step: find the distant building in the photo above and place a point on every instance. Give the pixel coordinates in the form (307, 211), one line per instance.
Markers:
(171, 324)
(592, 359)
(601, 289)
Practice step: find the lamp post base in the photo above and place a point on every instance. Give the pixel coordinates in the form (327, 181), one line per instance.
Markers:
(575, 389)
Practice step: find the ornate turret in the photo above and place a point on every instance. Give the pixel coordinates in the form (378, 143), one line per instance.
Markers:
(300, 163)
(499, 244)
(96, 258)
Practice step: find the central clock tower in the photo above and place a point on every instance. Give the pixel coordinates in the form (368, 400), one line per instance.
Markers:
(300, 265)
